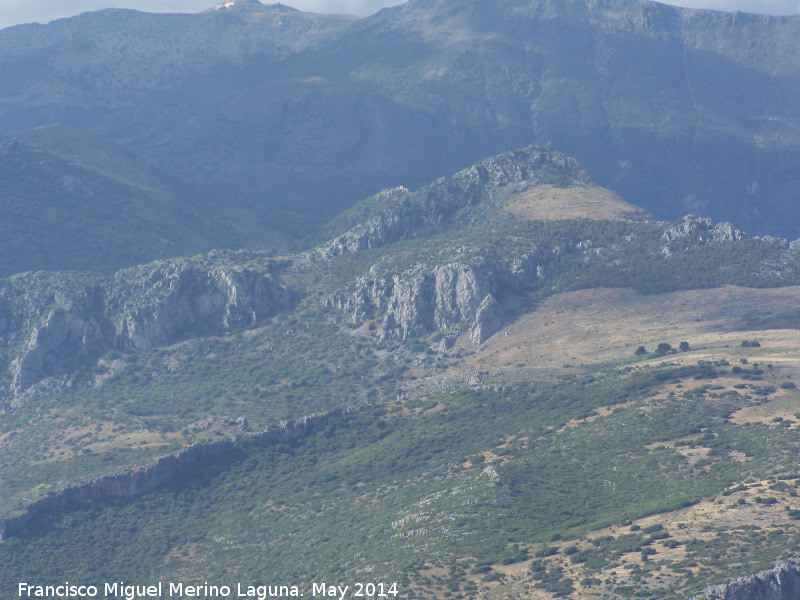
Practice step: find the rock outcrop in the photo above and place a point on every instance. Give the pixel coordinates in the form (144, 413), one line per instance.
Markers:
(436, 300)
(488, 320)
(53, 323)
(175, 299)
(698, 230)
(469, 290)
(779, 583)
(464, 198)
(148, 477)
(425, 299)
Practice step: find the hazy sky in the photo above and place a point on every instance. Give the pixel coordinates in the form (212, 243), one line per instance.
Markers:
(26, 11)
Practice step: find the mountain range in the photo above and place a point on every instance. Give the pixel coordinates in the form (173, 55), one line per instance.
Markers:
(280, 116)
(463, 300)
(464, 390)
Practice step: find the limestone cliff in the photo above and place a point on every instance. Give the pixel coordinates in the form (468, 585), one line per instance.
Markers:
(429, 298)
(53, 323)
(177, 299)
(439, 295)
(697, 230)
(779, 583)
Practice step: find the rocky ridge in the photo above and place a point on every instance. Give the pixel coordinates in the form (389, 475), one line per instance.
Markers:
(53, 323)
(698, 230)
(473, 292)
(470, 290)
(782, 582)
(462, 199)
(440, 297)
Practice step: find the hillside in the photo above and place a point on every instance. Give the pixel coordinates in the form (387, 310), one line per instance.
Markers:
(492, 385)
(80, 202)
(71, 201)
(288, 117)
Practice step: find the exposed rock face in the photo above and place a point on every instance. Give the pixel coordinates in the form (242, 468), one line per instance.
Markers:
(488, 320)
(699, 230)
(151, 475)
(473, 289)
(54, 323)
(176, 298)
(461, 199)
(63, 341)
(426, 298)
(421, 300)
(436, 300)
(779, 583)
(438, 297)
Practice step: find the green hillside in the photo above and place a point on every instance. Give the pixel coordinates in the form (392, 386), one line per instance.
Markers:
(71, 201)
(515, 404)
(404, 491)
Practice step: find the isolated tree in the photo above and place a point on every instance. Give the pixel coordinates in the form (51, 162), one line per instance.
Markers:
(663, 348)
(684, 346)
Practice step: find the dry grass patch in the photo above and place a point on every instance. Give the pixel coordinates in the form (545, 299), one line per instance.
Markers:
(742, 510)
(600, 411)
(548, 202)
(607, 325)
(784, 406)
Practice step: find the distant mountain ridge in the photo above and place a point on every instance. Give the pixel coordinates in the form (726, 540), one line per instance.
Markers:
(291, 117)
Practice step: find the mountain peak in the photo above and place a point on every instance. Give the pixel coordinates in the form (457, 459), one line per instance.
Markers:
(251, 6)
(238, 5)
(463, 198)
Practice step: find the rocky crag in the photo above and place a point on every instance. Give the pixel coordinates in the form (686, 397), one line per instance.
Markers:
(468, 290)
(426, 298)
(471, 291)
(54, 323)
(779, 583)
(455, 201)
(697, 230)
(149, 476)
(440, 297)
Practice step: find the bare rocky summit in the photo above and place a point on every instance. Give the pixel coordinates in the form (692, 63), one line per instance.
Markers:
(455, 201)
